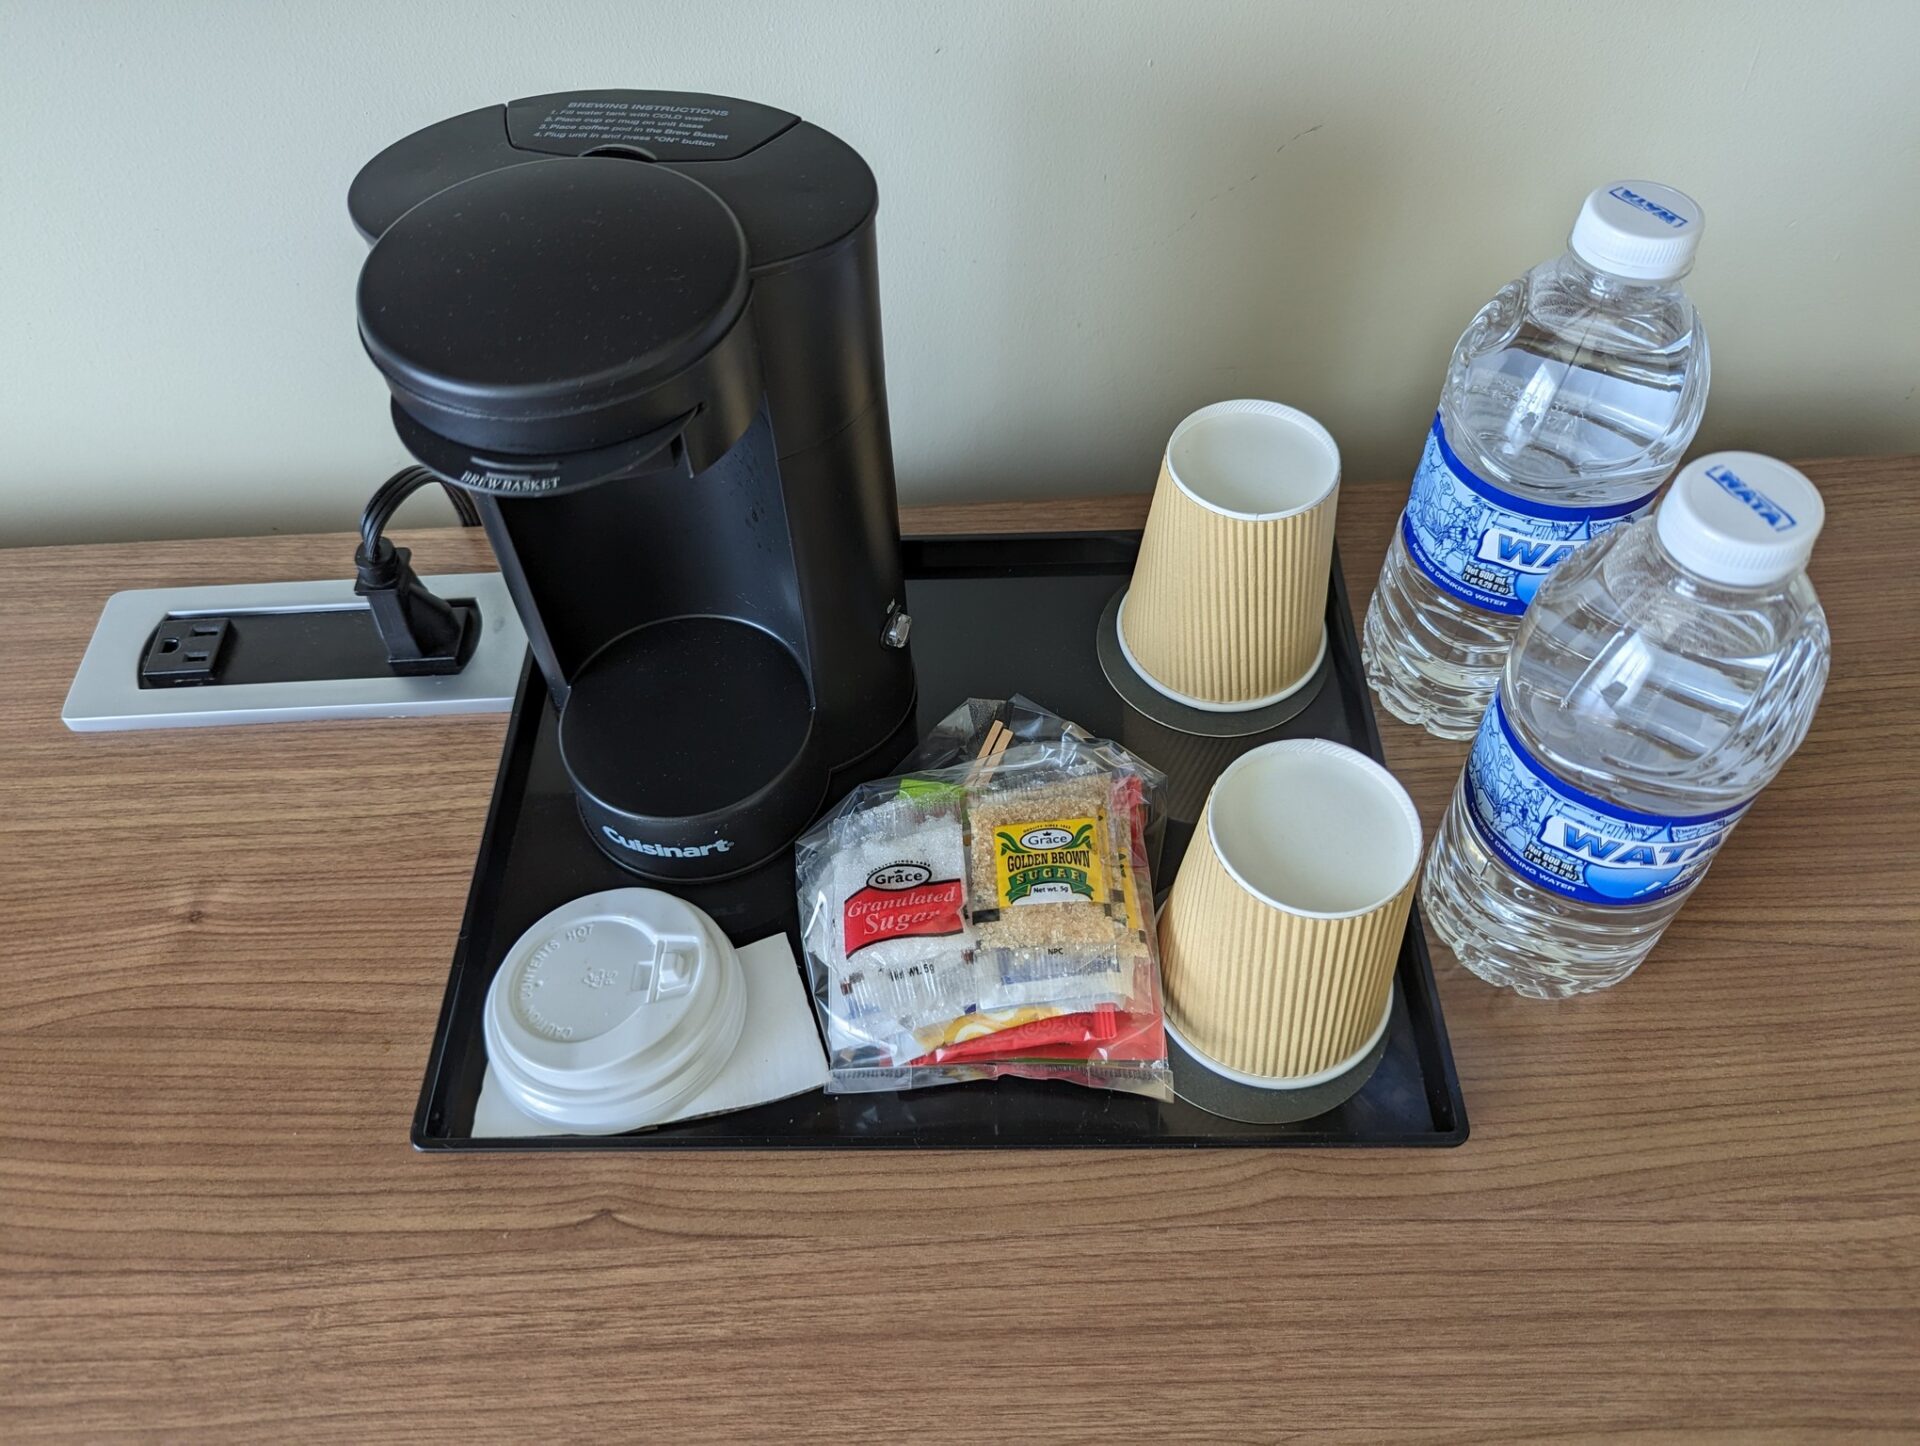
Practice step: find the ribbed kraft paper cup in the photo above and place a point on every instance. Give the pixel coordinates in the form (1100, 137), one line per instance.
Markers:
(1227, 605)
(1279, 941)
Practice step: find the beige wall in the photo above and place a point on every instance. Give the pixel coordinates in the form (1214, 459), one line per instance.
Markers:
(1094, 217)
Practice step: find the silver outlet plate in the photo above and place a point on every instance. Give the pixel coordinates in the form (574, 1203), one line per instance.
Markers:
(106, 695)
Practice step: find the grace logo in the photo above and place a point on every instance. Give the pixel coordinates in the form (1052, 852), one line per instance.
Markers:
(898, 876)
(1034, 840)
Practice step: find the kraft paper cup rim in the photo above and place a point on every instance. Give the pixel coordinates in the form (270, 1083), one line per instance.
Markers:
(1208, 705)
(1380, 895)
(1290, 1081)
(1251, 406)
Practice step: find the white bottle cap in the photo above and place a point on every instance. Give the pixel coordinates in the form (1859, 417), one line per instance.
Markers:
(613, 1009)
(1740, 518)
(1640, 230)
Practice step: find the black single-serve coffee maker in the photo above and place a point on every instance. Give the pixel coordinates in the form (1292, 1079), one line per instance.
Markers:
(642, 328)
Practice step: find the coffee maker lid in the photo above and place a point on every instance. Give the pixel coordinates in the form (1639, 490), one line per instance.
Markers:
(545, 307)
(513, 244)
(798, 190)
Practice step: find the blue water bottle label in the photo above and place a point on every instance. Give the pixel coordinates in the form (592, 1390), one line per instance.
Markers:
(1561, 838)
(1489, 547)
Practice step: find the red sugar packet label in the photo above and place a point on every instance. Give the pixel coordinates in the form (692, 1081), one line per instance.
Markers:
(901, 900)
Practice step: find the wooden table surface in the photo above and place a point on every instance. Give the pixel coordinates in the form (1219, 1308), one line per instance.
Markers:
(1689, 1203)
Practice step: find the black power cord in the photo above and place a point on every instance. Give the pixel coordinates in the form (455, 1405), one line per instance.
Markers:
(423, 633)
(398, 488)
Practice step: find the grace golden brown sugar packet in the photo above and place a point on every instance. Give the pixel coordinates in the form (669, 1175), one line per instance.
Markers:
(1043, 869)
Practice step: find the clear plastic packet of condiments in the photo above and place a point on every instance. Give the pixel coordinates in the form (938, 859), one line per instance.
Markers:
(990, 913)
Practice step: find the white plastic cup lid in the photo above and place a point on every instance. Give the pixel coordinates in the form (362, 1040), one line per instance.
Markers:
(613, 1008)
(1639, 230)
(1741, 519)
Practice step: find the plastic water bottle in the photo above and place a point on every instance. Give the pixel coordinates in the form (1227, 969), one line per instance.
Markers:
(1569, 400)
(1659, 681)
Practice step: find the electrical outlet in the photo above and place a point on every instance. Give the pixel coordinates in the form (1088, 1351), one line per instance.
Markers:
(184, 651)
(281, 652)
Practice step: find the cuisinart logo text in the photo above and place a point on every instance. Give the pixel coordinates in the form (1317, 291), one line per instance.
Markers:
(1652, 208)
(667, 851)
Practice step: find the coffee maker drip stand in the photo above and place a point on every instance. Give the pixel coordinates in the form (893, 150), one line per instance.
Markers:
(993, 616)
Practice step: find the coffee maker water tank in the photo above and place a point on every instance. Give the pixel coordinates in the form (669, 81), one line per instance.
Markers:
(642, 328)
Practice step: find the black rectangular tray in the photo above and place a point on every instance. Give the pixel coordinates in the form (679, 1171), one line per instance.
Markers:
(993, 616)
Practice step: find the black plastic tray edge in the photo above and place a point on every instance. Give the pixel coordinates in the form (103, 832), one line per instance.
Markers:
(512, 771)
(1436, 1048)
(1446, 1103)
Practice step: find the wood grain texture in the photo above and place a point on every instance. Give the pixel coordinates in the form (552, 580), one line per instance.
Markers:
(1690, 1205)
